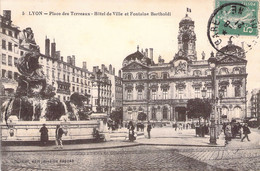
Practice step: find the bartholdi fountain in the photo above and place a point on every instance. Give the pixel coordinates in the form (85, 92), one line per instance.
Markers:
(34, 103)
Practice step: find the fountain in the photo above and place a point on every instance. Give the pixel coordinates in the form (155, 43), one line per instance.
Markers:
(35, 102)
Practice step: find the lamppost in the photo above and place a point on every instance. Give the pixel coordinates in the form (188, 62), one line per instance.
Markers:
(213, 63)
(98, 80)
(218, 99)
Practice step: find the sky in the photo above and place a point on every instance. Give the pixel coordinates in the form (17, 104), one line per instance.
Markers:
(109, 39)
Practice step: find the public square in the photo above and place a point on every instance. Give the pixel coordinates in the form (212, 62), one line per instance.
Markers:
(166, 150)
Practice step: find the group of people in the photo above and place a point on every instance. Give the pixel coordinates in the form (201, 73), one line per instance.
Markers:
(232, 129)
(131, 130)
(58, 135)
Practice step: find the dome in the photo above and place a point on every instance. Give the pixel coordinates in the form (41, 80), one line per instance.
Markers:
(231, 49)
(186, 21)
(137, 56)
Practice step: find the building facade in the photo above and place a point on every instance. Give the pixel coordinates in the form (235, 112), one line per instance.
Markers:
(161, 90)
(10, 54)
(255, 103)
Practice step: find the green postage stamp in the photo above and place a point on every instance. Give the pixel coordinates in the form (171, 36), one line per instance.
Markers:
(237, 17)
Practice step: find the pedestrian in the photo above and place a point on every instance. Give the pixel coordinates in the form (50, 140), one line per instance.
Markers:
(58, 134)
(149, 127)
(246, 131)
(131, 132)
(44, 135)
(228, 134)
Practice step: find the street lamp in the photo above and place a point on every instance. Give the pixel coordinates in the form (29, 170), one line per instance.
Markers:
(203, 92)
(213, 63)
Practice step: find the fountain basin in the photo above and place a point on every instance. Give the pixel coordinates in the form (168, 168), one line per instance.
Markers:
(29, 130)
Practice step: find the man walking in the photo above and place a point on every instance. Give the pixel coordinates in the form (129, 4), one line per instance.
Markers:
(246, 131)
(149, 127)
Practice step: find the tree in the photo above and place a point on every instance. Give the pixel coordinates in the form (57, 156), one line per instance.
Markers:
(117, 115)
(141, 116)
(197, 108)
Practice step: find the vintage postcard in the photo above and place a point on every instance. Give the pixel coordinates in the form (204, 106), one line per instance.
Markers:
(130, 85)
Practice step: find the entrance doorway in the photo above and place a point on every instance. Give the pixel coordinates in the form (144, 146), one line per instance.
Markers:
(180, 113)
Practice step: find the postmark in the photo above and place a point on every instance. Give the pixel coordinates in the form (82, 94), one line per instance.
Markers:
(234, 22)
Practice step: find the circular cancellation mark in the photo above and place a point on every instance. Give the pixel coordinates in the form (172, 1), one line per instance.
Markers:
(234, 23)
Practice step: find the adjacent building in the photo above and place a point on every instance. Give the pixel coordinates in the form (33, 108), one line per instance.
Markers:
(255, 103)
(10, 54)
(161, 89)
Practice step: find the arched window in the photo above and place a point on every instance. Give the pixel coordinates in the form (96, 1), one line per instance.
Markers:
(208, 72)
(154, 113)
(165, 75)
(197, 73)
(129, 76)
(224, 111)
(236, 70)
(237, 91)
(165, 112)
(223, 71)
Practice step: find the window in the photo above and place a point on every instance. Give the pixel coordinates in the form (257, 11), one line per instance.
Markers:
(21, 54)
(209, 92)
(223, 71)
(154, 94)
(140, 76)
(153, 113)
(68, 78)
(165, 112)
(129, 77)
(129, 94)
(165, 75)
(73, 88)
(165, 93)
(15, 61)
(15, 75)
(237, 91)
(53, 74)
(77, 89)
(10, 46)
(73, 79)
(16, 35)
(180, 93)
(197, 92)
(3, 59)
(64, 77)
(4, 31)
(3, 44)
(139, 95)
(224, 88)
(10, 33)
(10, 61)
(10, 74)
(77, 80)
(58, 76)
(236, 71)
(3, 73)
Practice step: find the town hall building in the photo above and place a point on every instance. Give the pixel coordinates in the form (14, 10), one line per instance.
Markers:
(161, 90)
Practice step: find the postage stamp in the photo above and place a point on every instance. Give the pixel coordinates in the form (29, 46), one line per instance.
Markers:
(238, 18)
(234, 22)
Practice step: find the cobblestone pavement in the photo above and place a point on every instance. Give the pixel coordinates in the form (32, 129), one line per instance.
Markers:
(132, 158)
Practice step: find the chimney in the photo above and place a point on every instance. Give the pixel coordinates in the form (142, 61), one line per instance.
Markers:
(84, 65)
(119, 73)
(151, 53)
(57, 55)
(53, 49)
(73, 60)
(69, 60)
(61, 58)
(146, 52)
(110, 69)
(7, 14)
(47, 46)
(113, 71)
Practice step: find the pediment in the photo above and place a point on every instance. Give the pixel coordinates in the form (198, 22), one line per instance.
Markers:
(134, 66)
(231, 59)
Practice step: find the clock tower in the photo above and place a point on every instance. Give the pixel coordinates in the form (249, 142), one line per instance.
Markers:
(187, 38)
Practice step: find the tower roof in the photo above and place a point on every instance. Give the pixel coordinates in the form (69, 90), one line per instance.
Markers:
(186, 21)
